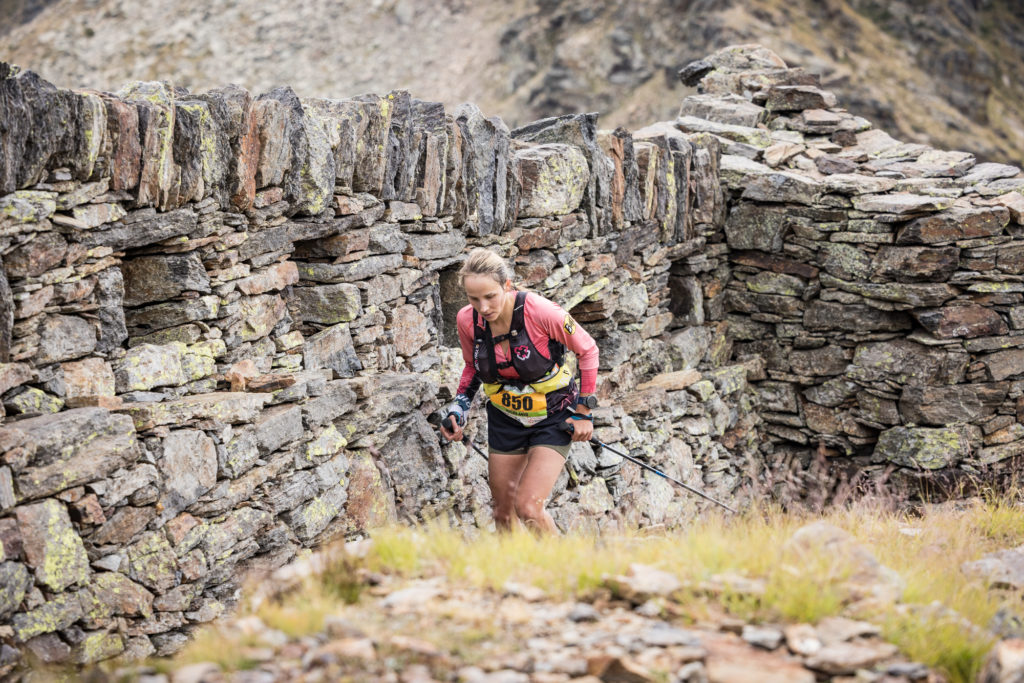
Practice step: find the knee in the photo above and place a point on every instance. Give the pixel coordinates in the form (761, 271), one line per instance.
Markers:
(529, 508)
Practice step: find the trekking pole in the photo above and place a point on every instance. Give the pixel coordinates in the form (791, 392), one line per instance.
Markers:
(598, 444)
(437, 419)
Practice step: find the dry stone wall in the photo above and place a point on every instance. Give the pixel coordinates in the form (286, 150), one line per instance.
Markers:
(882, 282)
(223, 319)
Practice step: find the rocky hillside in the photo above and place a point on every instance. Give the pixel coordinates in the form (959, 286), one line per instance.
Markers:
(943, 73)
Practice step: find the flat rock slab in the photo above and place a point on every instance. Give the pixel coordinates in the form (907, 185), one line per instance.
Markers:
(832, 630)
(326, 304)
(855, 183)
(900, 203)
(908, 294)
(749, 135)
(782, 186)
(228, 407)
(642, 582)
(672, 381)
(189, 468)
(847, 658)
(68, 449)
(147, 366)
(733, 661)
(909, 363)
(731, 109)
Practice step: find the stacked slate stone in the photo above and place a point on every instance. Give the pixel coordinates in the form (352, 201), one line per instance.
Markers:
(223, 319)
(882, 282)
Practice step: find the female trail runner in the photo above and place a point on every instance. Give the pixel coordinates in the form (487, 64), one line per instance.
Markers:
(513, 343)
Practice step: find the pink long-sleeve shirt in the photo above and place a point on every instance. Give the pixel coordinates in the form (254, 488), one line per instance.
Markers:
(544, 320)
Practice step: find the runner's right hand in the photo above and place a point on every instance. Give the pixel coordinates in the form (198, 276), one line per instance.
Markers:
(448, 432)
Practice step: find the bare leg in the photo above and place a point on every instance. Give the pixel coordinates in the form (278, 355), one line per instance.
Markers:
(503, 474)
(538, 478)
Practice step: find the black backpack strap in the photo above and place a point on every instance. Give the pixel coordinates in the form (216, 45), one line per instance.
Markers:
(488, 343)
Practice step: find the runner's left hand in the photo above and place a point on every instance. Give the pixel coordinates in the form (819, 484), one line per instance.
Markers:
(582, 430)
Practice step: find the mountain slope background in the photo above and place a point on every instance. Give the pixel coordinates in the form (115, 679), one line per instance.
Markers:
(949, 73)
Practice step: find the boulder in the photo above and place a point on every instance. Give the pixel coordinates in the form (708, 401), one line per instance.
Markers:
(332, 349)
(924, 447)
(411, 330)
(55, 614)
(579, 130)
(148, 365)
(554, 179)
(188, 465)
(68, 449)
(51, 545)
(413, 452)
(15, 582)
(954, 224)
(908, 362)
(969, 321)
(325, 304)
(750, 226)
(925, 405)
(798, 98)
(64, 337)
(485, 148)
(914, 264)
(88, 377)
(158, 180)
(33, 258)
(864, 576)
(730, 109)
(1000, 569)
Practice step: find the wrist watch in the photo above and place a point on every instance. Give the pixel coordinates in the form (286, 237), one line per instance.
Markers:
(589, 401)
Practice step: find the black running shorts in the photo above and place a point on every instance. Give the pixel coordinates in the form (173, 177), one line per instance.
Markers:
(508, 436)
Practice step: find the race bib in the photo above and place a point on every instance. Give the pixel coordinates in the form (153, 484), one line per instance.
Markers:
(525, 405)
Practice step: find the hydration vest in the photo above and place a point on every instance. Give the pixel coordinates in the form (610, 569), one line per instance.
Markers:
(538, 376)
(528, 362)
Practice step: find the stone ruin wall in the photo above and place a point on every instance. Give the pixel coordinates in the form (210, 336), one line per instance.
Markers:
(223, 319)
(881, 282)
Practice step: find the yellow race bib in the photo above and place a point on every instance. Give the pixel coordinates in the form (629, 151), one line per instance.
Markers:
(528, 404)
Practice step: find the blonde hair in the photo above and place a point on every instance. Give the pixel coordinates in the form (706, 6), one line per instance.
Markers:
(485, 262)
